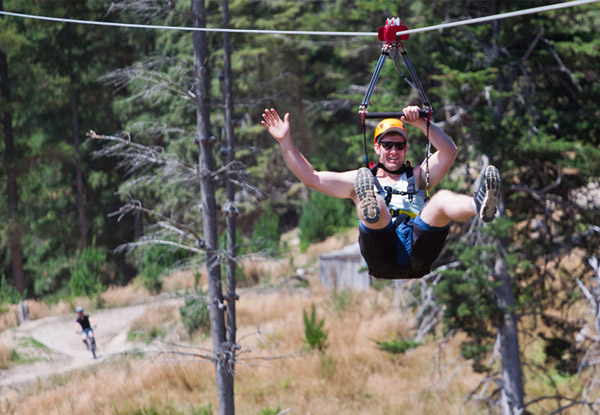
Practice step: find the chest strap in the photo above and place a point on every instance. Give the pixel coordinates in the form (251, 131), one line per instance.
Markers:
(411, 189)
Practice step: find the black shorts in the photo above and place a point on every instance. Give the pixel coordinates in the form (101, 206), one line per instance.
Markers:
(403, 251)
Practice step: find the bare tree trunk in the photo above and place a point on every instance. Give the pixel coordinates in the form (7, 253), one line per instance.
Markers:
(231, 210)
(221, 348)
(512, 374)
(14, 230)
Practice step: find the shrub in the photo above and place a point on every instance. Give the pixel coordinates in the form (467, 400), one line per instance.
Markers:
(203, 410)
(323, 216)
(468, 297)
(265, 234)
(270, 411)
(314, 336)
(85, 277)
(155, 260)
(50, 268)
(397, 346)
(8, 294)
(151, 277)
(194, 314)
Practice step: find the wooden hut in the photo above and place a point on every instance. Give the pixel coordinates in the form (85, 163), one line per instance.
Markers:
(344, 269)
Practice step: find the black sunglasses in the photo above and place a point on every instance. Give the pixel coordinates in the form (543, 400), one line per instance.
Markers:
(400, 145)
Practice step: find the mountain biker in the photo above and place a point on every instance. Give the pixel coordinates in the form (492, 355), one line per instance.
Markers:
(401, 231)
(84, 326)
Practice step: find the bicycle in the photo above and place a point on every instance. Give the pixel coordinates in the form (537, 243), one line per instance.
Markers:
(90, 341)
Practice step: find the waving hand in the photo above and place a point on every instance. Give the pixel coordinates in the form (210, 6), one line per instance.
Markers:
(277, 127)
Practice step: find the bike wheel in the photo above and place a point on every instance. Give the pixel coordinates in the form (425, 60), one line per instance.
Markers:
(91, 345)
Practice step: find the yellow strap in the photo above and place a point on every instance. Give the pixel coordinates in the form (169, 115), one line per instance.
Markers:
(398, 212)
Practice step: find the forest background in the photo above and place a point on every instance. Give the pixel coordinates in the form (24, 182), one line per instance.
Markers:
(521, 92)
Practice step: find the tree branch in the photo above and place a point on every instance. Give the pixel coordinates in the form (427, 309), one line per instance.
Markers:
(135, 205)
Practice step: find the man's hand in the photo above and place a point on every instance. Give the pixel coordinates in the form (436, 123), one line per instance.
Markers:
(278, 128)
(412, 115)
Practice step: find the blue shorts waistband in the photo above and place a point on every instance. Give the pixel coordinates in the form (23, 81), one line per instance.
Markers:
(423, 225)
(363, 228)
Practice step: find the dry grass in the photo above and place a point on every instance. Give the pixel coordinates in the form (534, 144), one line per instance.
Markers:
(182, 280)
(159, 321)
(5, 356)
(39, 309)
(122, 387)
(256, 270)
(352, 376)
(10, 318)
(124, 296)
(309, 258)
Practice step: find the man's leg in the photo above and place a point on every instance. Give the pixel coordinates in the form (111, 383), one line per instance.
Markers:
(446, 206)
(370, 206)
(84, 338)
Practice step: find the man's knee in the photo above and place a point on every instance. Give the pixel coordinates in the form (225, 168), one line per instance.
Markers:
(384, 214)
(443, 196)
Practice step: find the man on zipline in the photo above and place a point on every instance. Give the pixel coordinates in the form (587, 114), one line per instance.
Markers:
(401, 233)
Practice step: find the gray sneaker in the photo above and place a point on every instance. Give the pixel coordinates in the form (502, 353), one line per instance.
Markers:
(363, 185)
(488, 195)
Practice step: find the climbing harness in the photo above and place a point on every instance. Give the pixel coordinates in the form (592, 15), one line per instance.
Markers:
(387, 192)
(392, 35)
(411, 189)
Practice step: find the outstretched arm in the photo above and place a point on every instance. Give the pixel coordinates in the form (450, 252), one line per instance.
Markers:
(440, 161)
(334, 184)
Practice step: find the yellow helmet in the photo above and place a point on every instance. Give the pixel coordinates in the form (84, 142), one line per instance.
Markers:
(390, 124)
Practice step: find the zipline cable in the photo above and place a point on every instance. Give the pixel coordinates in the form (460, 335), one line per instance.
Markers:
(311, 33)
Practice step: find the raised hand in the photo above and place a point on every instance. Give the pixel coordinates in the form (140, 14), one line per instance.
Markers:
(277, 127)
(411, 115)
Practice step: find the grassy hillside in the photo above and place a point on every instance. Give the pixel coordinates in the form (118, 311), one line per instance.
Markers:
(351, 376)
(276, 371)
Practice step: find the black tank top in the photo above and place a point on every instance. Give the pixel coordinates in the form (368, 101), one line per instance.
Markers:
(84, 322)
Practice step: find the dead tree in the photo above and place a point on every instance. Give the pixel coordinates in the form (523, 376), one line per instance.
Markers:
(223, 348)
(591, 332)
(512, 392)
(230, 209)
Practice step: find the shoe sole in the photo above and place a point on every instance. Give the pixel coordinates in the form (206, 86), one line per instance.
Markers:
(493, 187)
(363, 185)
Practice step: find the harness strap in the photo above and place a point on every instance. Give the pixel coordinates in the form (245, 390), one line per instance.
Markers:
(397, 212)
(392, 191)
(416, 84)
(389, 191)
(391, 33)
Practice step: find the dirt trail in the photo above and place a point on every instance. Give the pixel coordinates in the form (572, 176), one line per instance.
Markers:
(53, 346)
